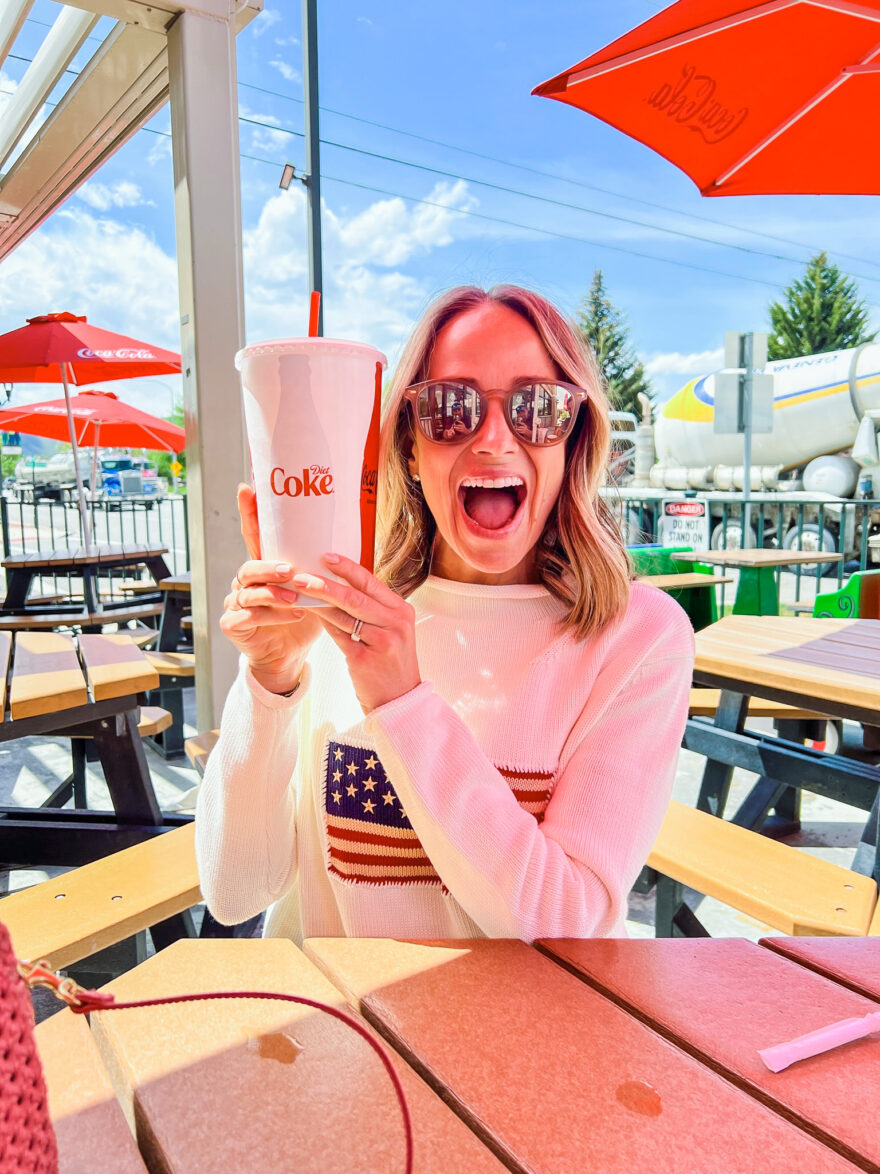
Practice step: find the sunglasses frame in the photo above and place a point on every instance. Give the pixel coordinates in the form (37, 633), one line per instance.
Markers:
(412, 393)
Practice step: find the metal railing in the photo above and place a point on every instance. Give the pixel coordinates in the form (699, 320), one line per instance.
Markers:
(38, 527)
(838, 526)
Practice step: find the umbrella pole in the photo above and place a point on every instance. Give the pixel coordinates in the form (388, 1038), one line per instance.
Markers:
(95, 461)
(80, 490)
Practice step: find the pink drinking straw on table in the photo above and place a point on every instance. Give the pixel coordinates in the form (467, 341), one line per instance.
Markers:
(314, 308)
(823, 1040)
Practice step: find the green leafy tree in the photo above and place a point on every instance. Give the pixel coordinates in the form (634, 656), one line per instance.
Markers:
(820, 311)
(604, 328)
(164, 459)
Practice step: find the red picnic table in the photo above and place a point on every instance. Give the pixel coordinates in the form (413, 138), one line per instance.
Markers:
(619, 1056)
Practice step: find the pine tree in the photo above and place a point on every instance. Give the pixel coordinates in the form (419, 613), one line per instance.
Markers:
(604, 328)
(820, 311)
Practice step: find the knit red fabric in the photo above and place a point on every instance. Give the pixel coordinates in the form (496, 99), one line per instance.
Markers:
(27, 1140)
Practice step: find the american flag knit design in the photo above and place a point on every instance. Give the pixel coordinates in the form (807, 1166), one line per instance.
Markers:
(371, 838)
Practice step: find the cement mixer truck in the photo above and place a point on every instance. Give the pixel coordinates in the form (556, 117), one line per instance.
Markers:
(821, 453)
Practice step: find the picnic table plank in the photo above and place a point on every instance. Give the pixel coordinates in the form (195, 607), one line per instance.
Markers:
(712, 996)
(115, 666)
(757, 557)
(46, 677)
(89, 1125)
(855, 964)
(5, 650)
(260, 1085)
(178, 583)
(622, 1098)
(684, 581)
(744, 649)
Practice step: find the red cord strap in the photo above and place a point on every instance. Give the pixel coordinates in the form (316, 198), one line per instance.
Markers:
(84, 1002)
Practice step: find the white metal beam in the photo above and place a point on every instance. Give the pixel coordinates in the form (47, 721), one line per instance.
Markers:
(12, 17)
(61, 45)
(204, 138)
(119, 89)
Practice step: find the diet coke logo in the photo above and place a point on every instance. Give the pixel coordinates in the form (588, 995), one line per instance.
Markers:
(316, 480)
(691, 101)
(119, 353)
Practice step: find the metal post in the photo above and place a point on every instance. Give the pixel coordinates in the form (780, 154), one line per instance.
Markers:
(746, 362)
(313, 150)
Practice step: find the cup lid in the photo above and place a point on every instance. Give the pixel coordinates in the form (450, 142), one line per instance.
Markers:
(303, 346)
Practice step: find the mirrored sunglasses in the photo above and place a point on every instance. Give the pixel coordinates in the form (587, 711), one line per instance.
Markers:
(447, 412)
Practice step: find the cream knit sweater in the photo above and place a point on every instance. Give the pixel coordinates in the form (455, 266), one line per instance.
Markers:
(515, 793)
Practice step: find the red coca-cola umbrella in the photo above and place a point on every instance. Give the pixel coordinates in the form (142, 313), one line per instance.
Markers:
(64, 348)
(746, 98)
(100, 419)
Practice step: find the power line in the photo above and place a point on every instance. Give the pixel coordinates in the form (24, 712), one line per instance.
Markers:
(558, 178)
(541, 199)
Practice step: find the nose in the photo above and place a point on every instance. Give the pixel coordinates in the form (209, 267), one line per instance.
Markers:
(494, 436)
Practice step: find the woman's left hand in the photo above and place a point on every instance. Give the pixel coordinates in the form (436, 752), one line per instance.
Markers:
(383, 662)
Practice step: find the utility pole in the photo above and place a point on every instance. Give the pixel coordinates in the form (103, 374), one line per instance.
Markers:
(313, 150)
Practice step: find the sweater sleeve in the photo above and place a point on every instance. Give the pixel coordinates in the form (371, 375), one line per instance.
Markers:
(570, 875)
(245, 811)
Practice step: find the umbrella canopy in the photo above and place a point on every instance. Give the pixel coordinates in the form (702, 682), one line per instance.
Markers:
(746, 99)
(63, 348)
(35, 353)
(100, 418)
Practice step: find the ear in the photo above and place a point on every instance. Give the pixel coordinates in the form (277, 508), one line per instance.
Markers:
(412, 458)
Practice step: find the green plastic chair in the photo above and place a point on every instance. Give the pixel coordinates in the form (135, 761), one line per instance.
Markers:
(698, 603)
(858, 598)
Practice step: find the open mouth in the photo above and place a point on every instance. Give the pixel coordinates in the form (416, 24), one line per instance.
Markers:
(492, 503)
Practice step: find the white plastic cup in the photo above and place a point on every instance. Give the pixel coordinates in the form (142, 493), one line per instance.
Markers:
(312, 413)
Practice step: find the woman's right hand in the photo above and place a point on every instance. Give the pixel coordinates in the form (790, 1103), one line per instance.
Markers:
(260, 617)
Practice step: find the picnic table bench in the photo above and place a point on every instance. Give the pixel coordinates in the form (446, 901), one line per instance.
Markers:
(91, 686)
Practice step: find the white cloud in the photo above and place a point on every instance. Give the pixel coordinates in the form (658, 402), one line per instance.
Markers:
(669, 371)
(118, 195)
(113, 273)
(265, 137)
(265, 20)
(676, 363)
(287, 71)
(366, 296)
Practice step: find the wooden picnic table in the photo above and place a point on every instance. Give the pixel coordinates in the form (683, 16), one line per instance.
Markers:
(606, 1055)
(684, 582)
(831, 667)
(757, 592)
(87, 563)
(91, 687)
(176, 590)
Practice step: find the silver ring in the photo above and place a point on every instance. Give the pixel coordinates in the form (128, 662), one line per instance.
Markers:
(355, 633)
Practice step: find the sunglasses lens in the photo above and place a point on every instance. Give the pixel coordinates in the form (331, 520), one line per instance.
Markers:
(448, 411)
(542, 413)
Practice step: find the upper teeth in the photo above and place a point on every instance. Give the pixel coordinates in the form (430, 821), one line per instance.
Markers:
(489, 483)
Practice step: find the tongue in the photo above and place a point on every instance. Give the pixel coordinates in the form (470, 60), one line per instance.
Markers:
(490, 508)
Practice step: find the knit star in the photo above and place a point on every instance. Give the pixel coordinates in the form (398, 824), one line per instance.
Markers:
(371, 762)
(337, 754)
(369, 806)
(388, 798)
(352, 768)
(351, 790)
(337, 775)
(337, 798)
(369, 783)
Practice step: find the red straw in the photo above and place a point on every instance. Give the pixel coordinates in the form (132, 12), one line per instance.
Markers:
(314, 307)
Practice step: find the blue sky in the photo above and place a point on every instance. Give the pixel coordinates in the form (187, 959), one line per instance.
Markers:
(460, 74)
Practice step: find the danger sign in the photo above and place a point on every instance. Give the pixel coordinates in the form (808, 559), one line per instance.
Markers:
(684, 521)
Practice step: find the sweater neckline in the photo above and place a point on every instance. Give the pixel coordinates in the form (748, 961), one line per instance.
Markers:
(487, 590)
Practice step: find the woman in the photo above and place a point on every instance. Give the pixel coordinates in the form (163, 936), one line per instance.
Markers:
(483, 740)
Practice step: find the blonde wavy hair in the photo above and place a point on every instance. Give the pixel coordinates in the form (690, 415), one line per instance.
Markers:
(581, 558)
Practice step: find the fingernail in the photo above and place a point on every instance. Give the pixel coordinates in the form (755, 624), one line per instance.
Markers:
(283, 568)
(331, 558)
(310, 582)
(297, 614)
(289, 595)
